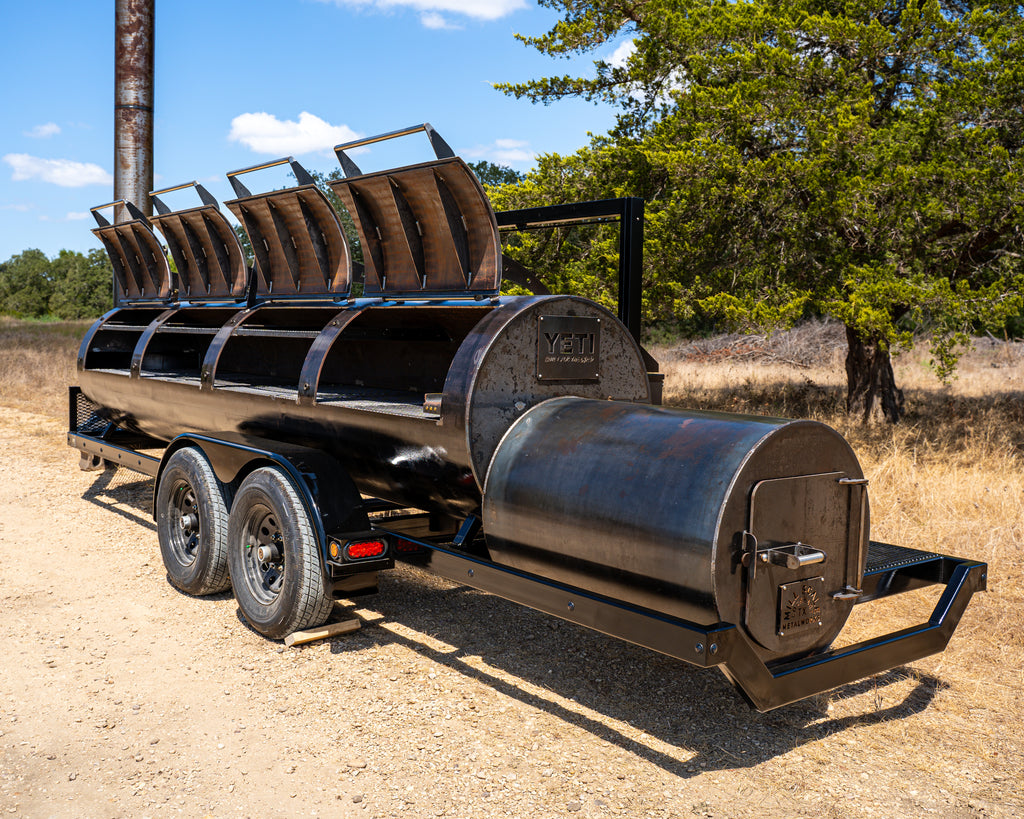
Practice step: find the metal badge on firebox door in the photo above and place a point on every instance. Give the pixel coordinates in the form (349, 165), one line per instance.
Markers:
(568, 348)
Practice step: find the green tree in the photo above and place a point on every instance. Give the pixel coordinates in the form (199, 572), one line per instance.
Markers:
(243, 240)
(492, 174)
(82, 284)
(323, 181)
(860, 160)
(26, 284)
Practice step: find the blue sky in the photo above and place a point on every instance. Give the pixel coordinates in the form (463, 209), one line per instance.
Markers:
(238, 83)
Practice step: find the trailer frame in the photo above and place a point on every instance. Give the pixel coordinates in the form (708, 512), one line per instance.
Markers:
(891, 570)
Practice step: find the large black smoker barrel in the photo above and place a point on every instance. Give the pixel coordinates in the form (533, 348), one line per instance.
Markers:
(352, 381)
(703, 516)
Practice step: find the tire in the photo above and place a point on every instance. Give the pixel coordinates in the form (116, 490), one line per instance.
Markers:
(192, 524)
(273, 557)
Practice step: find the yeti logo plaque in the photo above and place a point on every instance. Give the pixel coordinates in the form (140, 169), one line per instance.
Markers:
(568, 348)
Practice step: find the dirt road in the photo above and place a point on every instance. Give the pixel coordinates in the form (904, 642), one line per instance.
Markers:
(120, 697)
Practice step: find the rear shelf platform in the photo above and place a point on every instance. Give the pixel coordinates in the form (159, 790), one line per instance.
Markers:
(883, 557)
(894, 569)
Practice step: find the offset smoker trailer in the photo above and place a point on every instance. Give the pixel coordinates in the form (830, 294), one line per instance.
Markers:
(303, 439)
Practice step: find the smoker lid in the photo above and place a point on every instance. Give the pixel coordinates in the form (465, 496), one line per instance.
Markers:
(206, 251)
(296, 236)
(141, 270)
(424, 229)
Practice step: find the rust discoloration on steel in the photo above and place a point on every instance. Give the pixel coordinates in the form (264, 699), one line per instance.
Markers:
(133, 103)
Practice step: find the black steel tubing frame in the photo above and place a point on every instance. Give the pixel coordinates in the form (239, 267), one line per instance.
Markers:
(111, 445)
(629, 211)
(764, 686)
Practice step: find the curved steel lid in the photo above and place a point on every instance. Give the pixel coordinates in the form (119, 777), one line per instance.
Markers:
(425, 229)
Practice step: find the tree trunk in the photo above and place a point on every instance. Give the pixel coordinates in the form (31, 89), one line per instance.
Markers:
(870, 384)
(517, 274)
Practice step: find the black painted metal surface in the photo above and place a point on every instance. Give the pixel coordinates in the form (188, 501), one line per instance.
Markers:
(766, 683)
(411, 399)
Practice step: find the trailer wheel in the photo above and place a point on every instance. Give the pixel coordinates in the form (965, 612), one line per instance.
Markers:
(273, 556)
(192, 524)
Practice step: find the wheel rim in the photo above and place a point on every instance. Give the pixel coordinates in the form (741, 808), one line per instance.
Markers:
(263, 551)
(183, 513)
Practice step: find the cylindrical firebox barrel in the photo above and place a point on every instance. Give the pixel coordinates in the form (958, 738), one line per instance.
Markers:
(704, 516)
(133, 103)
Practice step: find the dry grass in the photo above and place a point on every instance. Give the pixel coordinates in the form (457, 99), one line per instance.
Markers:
(37, 363)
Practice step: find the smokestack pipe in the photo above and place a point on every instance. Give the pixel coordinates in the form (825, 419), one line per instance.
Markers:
(133, 103)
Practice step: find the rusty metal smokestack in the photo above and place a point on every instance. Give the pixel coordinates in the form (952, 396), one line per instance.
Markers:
(133, 103)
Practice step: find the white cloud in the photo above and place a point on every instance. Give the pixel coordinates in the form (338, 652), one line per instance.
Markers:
(431, 19)
(503, 152)
(64, 172)
(19, 207)
(266, 134)
(48, 129)
(621, 55)
(477, 9)
(76, 216)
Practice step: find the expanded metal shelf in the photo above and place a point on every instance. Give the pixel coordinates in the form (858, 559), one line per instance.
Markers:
(391, 402)
(885, 557)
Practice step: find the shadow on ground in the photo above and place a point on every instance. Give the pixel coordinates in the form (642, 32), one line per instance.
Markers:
(682, 706)
(620, 689)
(125, 493)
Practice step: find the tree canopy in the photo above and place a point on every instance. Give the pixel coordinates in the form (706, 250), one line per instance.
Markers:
(72, 285)
(859, 160)
(491, 173)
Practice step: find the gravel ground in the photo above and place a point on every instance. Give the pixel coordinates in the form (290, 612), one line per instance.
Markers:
(120, 697)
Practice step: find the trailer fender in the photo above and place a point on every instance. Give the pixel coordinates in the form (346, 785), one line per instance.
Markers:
(328, 494)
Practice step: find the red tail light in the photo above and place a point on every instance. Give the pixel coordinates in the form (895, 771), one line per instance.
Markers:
(362, 549)
(407, 546)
